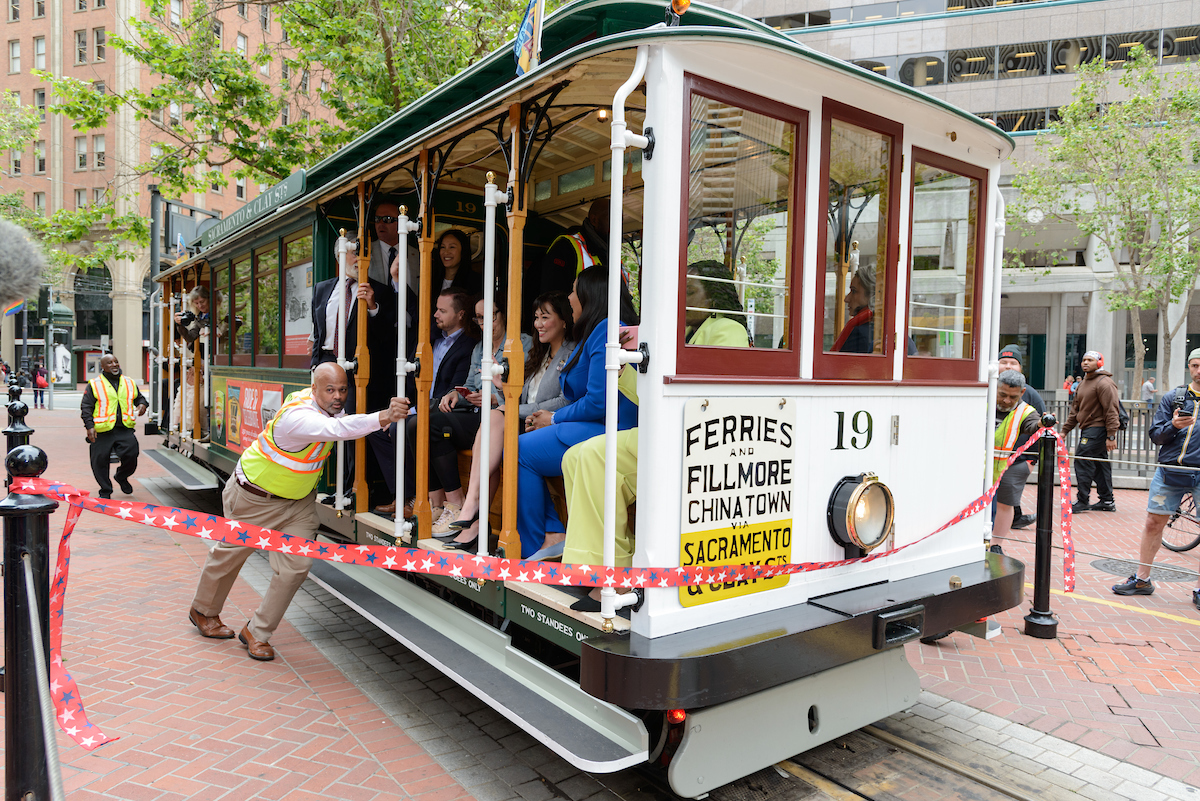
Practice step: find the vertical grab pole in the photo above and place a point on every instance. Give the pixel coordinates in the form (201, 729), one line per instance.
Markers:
(487, 367)
(425, 376)
(344, 248)
(403, 365)
(614, 355)
(994, 342)
(517, 214)
(171, 362)
(362, 361)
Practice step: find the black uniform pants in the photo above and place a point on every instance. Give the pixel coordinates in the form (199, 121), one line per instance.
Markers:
(121, 441)
(1093, 444)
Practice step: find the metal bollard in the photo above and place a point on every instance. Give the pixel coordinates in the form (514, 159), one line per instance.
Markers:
(1040, 622)
(17, 432)
(26, 531)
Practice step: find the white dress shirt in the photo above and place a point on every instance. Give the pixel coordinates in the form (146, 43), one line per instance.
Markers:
(303, 425)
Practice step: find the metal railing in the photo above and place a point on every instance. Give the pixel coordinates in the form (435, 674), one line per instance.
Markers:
(1135, 452)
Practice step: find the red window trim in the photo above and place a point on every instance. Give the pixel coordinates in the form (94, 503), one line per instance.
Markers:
(846, 366)
(746, 361)
(760, 380)
(933, 367)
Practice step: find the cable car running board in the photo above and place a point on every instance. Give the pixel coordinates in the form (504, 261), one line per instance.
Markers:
(189, 474)
(590, 734)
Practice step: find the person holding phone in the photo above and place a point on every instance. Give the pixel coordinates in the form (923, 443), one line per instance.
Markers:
(455, 421)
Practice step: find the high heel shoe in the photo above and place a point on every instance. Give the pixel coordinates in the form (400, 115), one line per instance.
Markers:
(463, 525)
(463, 546)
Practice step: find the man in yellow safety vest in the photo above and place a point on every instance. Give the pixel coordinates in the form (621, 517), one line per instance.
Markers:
(274, 485)
(1016, 420)
(108, 417)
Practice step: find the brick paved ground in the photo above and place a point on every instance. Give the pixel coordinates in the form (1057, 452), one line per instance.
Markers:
(1107, 711)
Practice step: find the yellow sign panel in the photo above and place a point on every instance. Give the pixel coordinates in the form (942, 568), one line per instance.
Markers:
(768, 543)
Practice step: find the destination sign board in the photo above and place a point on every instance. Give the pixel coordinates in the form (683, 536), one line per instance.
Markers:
(286, 190)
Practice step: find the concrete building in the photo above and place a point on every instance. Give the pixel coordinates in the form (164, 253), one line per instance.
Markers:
(69, 169)
(1012, 61)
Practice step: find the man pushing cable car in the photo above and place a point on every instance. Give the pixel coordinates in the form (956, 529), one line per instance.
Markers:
(274, 486)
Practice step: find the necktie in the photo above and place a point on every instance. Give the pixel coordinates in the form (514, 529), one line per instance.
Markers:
(391, 259)
(347, 295)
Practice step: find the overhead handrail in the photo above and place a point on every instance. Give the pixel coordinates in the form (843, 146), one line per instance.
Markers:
(614, 355)
(403, 365)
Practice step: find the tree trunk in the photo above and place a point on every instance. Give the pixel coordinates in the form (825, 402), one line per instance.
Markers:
(1139, 351)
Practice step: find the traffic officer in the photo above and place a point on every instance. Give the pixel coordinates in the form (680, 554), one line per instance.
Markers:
(108, 417)
(274, 486)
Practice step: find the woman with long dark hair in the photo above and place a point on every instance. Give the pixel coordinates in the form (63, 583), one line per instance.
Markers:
(713, 315)
(452, 264)
(552, 345)
(550, 434)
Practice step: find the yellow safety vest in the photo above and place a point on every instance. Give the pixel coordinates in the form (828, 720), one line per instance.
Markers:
(108, 398)
(1006, 436)
(288, 474)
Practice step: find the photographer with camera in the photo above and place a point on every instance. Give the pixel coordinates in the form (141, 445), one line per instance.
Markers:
(194, 320)
(1174, 431)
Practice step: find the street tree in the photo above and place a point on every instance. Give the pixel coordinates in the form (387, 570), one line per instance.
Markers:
(1119, 164)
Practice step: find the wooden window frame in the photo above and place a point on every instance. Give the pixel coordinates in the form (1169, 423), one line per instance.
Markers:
(935, 368)
(301, 361)
(720, 365)
(225, 271)
(859, 366)
(268, 360)
(241, 359)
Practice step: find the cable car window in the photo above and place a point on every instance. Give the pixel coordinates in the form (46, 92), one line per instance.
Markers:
(297, 299)
(738, 294)
(266, 288)
(860, 156)
(945, 249)
(241, 334)
(220, 309)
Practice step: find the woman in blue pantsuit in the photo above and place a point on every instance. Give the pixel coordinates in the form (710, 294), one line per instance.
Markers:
(549, 435)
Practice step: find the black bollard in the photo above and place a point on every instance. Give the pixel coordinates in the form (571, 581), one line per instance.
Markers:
(1040, 622)
(17, 432)
(26, 531)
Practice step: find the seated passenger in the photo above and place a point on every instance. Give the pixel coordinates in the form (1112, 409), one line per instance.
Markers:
(708, 305)
(858, 335)
(454, 423)
(452, 264)
(451, 360)
(550, 434)
(552, 320)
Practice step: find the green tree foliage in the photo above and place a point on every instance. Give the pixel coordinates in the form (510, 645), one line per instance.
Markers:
(1120, 165)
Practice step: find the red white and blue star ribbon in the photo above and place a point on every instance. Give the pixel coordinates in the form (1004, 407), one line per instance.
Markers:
(456, 564)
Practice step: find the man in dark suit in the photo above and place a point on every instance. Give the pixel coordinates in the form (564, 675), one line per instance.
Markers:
(451, 361)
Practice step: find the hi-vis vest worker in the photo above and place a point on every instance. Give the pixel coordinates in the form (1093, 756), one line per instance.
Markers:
(288, 474)
(1007, 434)
(272, 487)
(110, 399)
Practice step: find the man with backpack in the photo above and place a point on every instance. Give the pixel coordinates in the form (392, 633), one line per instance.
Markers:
(1096, 412)
(1173, 431)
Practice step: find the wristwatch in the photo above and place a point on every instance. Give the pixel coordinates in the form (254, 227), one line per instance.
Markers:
(1112, 439)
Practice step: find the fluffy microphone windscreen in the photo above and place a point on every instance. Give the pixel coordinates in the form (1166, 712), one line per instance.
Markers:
(21, 264)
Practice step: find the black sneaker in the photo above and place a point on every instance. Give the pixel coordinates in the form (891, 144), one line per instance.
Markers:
(1134, 586)
(1105, 506)
(1024, 521)
(1080, 506)
(996, 549)
(126, 487)
(1196, 598)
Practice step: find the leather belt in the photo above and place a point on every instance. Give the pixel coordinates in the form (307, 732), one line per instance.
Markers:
(252, 489)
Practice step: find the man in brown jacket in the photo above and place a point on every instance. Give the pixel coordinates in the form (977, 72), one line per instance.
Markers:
(1095, 414)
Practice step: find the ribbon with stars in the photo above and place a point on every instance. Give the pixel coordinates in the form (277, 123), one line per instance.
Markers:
(457, 564)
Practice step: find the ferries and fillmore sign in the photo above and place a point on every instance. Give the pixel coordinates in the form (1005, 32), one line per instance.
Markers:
(289, 188)
(737, 491)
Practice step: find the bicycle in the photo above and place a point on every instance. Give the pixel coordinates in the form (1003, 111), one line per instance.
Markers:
(1182, 532)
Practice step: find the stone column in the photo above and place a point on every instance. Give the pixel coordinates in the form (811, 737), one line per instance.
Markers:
(1175, 373)
(8, 336)
(1100, 328)
(1056, 341)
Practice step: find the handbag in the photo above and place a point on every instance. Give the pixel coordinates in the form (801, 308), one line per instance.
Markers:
(40, 382)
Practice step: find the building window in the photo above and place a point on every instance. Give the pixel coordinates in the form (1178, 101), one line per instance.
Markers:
(39, 52)
(98, 40)
(240, 188)
(215, 183)
(285, 116)
(39, 102)
(976, 64)
(39, 157)
(98, 87)
(1024, 60)
(304, 116)
(926, 69)
(264, 16)
(175, 113)
(39, 9)
(241, 10)
(14, 10)
(265, 67)
(741, 145)
(283, 33)
(80, 198)
(217, 30)
(14, 162)
(98, 150)
(324, 92)
(304, 81)
(859, 240)
(99, 3)
(240, 44)
(81, 152)
(81, 47)
(98, 194)
(1066, 55)
(39, 202)
(176, 13)
(285, 72)
(14, 56)
(156, 151)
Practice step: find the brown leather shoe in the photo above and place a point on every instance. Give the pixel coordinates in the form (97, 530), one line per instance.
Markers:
(210, 626)
(408, 509)
(258, 650)
(386, 509)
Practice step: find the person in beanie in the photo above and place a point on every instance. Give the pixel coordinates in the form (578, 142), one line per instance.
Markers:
(1013, 358)
(1095, 414)
(1173, 430)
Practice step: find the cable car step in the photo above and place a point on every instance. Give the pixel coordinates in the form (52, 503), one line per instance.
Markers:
(190, 475)
(590, 734)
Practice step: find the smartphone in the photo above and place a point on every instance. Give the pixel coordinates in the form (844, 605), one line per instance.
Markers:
(462, 391)
(631, 342)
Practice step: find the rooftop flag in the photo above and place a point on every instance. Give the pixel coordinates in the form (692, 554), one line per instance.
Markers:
(528, 46)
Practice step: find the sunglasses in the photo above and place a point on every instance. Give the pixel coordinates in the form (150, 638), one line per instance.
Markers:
(386, 220)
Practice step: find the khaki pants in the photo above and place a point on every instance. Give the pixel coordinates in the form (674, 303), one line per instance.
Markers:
(583, 477)
(298, 518)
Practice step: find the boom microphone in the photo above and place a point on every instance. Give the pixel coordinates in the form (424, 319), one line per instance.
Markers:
(21, 264)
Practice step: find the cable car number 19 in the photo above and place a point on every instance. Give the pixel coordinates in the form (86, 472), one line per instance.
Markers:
(862, 427)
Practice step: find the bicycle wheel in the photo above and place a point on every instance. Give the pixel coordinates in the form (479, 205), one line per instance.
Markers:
(1183, 530)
